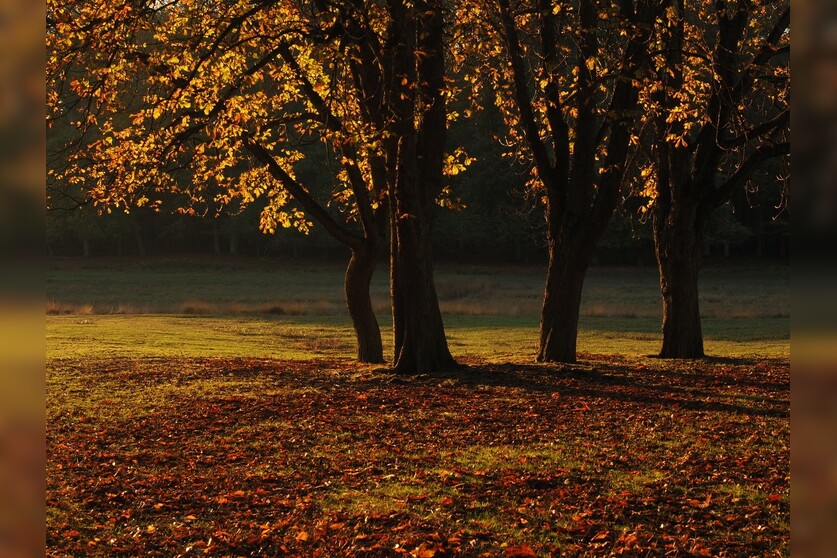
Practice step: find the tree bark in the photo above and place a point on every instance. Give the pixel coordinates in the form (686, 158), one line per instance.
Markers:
(561, 304)
(419, 121)
(420, 344)
(361, 265)
(678, 238)
(358, 278)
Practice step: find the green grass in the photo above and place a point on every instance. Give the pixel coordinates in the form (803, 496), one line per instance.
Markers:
(194, 336)
(265, 308)
(246, 286)
(531, 457)
(317, 337)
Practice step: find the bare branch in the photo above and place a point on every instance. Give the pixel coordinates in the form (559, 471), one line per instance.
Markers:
(765, 152)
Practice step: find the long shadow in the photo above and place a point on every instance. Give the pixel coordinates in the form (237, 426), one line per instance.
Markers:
(699, 392)
(701, 388)
(720, 377)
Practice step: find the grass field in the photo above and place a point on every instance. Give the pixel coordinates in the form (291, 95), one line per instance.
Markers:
(266, 308)
(241, 286)
(213, 409)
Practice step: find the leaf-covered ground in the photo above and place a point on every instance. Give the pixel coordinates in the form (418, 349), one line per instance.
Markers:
(241, 457)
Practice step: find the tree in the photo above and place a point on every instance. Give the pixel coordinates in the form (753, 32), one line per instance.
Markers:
(419, 106)
(719, 103)
(567, 78)
(231, 91)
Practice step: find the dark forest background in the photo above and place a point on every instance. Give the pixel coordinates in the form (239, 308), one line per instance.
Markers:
(500, 221)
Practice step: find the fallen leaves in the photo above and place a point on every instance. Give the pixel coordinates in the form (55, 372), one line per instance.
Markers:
(522, 551)
(233, 460)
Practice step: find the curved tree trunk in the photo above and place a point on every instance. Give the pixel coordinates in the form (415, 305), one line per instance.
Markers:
(358, 278)
(678, 242)
(561, 304)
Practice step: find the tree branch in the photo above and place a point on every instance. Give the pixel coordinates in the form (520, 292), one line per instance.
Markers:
(558, 128)
(767, 51)
(219, 105)
(302, 196)
(764, 129)
(584, 151)
(332, 123)
(622, 111)
(233, 24)
(765, 152)
(523, 99)
(330, 120)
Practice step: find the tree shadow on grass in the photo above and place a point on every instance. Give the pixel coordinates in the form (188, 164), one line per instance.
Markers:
(703, 388)
(737, 386)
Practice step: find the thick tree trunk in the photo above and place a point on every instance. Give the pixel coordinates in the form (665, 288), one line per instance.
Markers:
(419, 334)
(358, 278)
(418, 120)
(561, 303)
(677, 242)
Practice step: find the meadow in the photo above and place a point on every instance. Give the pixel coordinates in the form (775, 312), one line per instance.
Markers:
(212, 407)
(264, 308)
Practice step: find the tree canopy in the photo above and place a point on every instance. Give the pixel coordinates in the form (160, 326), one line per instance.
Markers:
(208, 107)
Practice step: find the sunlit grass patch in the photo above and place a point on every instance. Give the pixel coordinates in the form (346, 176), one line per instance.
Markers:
(196, 336)
(749, 494)
(636, 480)
(542, 458)
(388, 496)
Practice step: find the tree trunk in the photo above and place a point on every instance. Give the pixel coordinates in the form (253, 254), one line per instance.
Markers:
(561, 303)
(677, 242)
(419, 334)
(414, 179)
(358, 277)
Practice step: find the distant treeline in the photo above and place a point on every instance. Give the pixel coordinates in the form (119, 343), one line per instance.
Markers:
(498, 223)
(477, 232)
